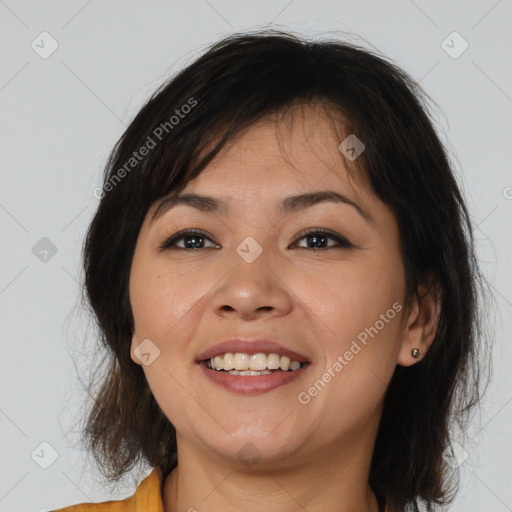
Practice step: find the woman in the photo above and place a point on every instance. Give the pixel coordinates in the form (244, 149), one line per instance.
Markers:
(283, 272)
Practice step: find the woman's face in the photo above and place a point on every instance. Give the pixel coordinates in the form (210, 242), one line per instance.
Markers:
(255, 274)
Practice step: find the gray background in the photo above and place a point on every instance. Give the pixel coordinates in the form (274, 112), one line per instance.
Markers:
(60, 116)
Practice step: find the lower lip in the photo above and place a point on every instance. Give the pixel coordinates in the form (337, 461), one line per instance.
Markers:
(252, 384)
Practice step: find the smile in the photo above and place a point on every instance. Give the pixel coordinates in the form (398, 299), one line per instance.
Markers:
(251, 374)
(242, 363)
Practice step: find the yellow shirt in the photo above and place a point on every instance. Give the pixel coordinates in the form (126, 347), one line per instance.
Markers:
(147, 498)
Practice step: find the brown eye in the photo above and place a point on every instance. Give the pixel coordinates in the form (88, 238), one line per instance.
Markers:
(320, 236)
(193, 240)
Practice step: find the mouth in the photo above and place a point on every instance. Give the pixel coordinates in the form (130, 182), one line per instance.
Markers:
(244, 364)
(250, 374)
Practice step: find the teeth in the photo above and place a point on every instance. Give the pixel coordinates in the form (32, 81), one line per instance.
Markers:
(229, 361)
(241, 361)
(294, 365)
(255, 364)
(258, 362)
(273, 361)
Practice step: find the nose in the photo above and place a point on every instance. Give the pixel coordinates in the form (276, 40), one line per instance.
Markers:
(252, 290)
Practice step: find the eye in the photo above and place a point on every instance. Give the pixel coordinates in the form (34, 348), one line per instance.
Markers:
(319, 235)
(194, 239)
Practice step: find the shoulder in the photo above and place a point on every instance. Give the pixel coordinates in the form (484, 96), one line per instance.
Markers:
(147, 496)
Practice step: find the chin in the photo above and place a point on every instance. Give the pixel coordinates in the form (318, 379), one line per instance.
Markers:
(260, 452)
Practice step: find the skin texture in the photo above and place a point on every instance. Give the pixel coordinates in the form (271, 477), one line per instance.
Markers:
(315, 455)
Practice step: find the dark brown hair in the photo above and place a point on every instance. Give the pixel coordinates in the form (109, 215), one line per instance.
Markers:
(236, 82)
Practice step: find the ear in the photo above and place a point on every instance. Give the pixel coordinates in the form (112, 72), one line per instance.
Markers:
(422, 321)
(134, 344)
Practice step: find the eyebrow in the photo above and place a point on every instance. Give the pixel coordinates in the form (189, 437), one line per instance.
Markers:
(289, 204)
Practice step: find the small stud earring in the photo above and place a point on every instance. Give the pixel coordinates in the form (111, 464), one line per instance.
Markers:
(415, 352)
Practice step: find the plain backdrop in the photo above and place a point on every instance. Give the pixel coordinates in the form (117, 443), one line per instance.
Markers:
(74, 74)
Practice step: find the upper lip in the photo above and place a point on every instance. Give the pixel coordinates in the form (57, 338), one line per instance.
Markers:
(248, 346)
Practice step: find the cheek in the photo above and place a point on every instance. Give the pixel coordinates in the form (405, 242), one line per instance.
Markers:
(359, 328)
(351, 299)
(359, 313)
(165, 310)
(160, 299)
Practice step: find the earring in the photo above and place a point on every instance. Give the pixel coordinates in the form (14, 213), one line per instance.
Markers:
(415, 352)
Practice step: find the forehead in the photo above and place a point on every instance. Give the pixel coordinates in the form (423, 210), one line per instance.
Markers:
(283, 155)
(297, 149)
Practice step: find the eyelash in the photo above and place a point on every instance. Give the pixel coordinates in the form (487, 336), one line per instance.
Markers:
(342, 242)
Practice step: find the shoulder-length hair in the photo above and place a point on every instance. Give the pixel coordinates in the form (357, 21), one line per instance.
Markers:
(182, 126)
